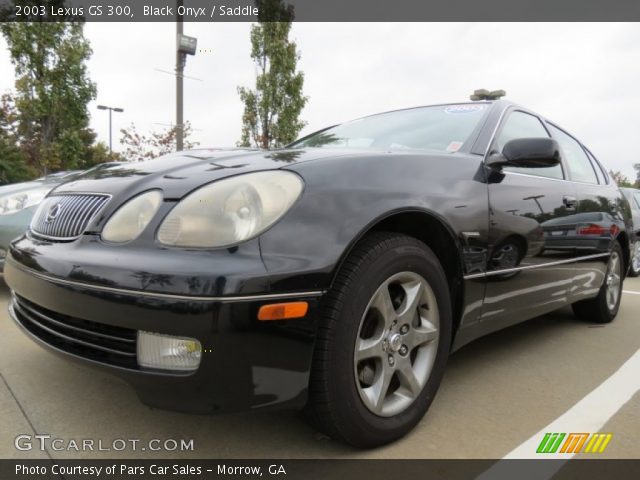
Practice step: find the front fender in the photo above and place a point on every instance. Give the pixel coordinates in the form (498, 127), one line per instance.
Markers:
(345, 197)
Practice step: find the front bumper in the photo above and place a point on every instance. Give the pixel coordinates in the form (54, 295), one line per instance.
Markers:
(246, 364)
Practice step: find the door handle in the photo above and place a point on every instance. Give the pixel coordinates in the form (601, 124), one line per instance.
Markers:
(570, 202)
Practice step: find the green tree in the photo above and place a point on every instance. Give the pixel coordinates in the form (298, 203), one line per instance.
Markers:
(12, 168)
(620, 179)
(143, 147)
(12, 165)
(99, 153)
(272, 109)
(52, 92)
(637, 167)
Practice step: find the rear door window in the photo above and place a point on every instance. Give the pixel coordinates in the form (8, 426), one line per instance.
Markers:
(580, 167)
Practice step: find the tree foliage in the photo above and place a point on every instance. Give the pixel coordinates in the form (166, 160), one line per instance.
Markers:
(272, 109)
(52, 90)
(140, 147)
(637, 167)
(620, 179)
(12, 166)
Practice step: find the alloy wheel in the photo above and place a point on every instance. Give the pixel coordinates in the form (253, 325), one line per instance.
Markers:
(613, 280)
(396, 344)
(635, 257)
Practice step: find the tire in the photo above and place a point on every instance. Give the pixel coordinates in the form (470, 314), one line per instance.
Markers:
(604, 307)
(342, 400)
(634, 268)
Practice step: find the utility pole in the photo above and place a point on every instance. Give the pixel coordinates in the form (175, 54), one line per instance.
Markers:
(184, 46)
(111, 109)
(181, 60)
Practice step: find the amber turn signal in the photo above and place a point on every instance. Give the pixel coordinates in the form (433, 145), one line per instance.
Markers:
(283, 311)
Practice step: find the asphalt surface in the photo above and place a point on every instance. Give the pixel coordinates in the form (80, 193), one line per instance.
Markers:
(497, 392)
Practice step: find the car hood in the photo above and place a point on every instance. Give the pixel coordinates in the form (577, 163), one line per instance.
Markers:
(179, 173)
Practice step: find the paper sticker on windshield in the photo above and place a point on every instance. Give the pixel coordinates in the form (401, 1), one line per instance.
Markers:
(454, 147)
(465, 108)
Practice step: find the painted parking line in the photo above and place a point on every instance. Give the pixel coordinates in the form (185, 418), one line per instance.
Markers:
(588, 415)
(592, 412)
(631, 292)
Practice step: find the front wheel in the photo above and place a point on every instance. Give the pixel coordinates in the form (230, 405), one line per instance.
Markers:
(604, 307)
(383, 343)
(634, 268)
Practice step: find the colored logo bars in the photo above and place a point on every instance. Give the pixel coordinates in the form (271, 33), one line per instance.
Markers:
(574, 442)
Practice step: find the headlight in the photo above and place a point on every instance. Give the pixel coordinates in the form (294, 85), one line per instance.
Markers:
(15, 202)
(230, 211)
(132, 218)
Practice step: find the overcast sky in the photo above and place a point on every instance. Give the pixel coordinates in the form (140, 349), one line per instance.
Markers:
(585, 77)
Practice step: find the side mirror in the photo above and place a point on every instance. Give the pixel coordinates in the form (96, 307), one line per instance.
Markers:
(527, 153)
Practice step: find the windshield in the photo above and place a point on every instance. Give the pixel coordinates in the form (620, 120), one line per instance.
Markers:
(443, 127)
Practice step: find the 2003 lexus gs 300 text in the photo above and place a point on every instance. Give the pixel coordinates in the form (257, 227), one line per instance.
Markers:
(336, 274)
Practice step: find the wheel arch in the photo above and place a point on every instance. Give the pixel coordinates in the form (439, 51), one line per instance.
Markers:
(433, 231)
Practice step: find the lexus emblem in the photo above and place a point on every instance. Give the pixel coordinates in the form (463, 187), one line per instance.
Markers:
(53, 213)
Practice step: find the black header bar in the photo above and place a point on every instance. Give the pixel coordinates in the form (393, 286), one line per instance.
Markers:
(323, 10)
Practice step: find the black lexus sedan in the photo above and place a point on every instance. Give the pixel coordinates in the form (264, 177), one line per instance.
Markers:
(337, 274)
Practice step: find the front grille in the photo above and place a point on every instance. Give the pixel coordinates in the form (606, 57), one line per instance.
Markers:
(96, 341)
(66, 216)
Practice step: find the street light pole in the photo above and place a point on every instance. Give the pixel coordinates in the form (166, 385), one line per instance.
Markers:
(110, 131)
(111, 109)
(536, 198)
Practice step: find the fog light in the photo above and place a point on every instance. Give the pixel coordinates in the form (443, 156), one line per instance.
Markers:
(167, 352)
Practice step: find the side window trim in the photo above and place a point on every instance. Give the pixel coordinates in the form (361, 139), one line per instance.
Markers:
(504, 119)
(598, 165)
(570, 175)
(500, 127)
(599, 176)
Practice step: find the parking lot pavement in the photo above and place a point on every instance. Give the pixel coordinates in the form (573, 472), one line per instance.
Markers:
(497, 392)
